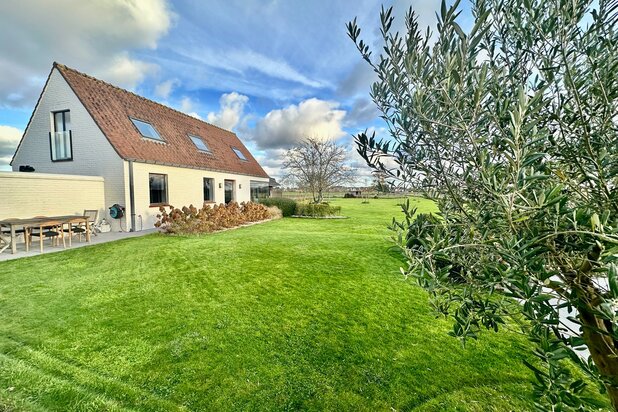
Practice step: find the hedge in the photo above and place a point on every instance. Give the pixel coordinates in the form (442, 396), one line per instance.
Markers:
(317, 210)
(287, 206)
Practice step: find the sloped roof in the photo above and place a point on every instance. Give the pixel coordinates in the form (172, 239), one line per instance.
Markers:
(112, 107)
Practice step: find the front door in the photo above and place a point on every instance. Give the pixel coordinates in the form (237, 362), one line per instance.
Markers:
(229, 191)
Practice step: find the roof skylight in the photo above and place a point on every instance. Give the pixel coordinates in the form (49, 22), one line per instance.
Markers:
(240, 154)
(199, 143)
(147, 130)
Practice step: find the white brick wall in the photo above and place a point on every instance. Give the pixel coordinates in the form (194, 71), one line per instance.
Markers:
(93, 155)
(185, 187)
(26, 195)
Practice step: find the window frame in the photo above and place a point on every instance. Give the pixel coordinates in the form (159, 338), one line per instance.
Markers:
(52, 133)
(240, 154)
(194, 136)
(154, 139)
(212, 189)
(166, 190)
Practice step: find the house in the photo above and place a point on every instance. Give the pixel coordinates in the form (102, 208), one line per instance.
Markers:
(148, 154)
(274, 188)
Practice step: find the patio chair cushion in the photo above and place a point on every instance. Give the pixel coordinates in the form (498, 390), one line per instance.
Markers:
(8, 232)
(46, 233)
(76, 229)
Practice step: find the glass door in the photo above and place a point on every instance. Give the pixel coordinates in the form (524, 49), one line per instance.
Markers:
(229, 191)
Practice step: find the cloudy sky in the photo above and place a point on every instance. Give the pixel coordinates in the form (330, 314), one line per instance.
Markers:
(272, 71)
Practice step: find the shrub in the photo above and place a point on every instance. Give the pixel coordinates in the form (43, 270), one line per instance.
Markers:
(510, 127)
(274, 212)
(317, 210)
(208, 219)
(254, 212)
(287, 206)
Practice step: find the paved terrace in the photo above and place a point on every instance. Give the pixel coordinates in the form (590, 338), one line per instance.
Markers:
(48, 248)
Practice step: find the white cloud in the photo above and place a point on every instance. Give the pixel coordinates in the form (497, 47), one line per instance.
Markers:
(358, 81)
(164, 89)
(188, 106)
(310, 118)
(363, 174)
(243, 61)
(271, 158)
(126, 71)
(272, 162)
(92, 36)
(232, 107)
(9, 139)
(271, 67)
(363, 110)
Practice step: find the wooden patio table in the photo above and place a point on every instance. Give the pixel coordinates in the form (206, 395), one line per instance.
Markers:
(13, 224)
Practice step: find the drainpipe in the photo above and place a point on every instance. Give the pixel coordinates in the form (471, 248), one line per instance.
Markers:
(131, 196)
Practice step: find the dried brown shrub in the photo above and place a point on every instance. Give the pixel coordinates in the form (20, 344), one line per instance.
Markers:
(190, 219)
(275, 212)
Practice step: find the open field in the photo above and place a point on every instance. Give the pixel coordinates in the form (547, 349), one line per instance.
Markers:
(330, 196)
(287, 315)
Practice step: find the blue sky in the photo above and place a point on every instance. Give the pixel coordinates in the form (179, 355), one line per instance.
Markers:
(272, 71)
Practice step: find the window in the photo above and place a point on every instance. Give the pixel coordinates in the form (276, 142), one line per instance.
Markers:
(147, 130)
(199, 143)
(259, 190)
(229, 191)
(158, 189)
(209, 189)
(240, 154)
(60, 139)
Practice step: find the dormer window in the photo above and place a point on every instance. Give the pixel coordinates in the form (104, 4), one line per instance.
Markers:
(60, 139)
(199, 143)
(240, 154)
(147, 130)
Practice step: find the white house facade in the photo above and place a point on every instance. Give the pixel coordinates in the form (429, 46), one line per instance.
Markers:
(148, 155)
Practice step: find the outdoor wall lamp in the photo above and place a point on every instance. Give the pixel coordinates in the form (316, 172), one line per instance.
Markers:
(220, 185)
(240, 186)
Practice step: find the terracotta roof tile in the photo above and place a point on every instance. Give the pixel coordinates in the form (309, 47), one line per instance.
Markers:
(111, 108)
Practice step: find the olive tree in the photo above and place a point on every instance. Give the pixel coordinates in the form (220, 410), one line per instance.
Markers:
(317, 165)
(511, 126)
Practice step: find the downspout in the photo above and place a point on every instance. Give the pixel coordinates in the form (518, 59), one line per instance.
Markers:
(131, 196)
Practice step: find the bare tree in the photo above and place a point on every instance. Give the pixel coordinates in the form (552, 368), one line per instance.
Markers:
(318, 166)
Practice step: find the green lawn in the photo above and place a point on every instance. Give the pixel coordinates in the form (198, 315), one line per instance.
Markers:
(287, 315)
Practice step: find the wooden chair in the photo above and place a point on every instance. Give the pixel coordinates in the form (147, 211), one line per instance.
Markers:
(73, 229)
(80, 228)
(6, 234)
(93, 217)
(50, 229)
(5, 242)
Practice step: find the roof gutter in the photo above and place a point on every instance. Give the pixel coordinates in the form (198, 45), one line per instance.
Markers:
(132, 196)
(208, 169)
